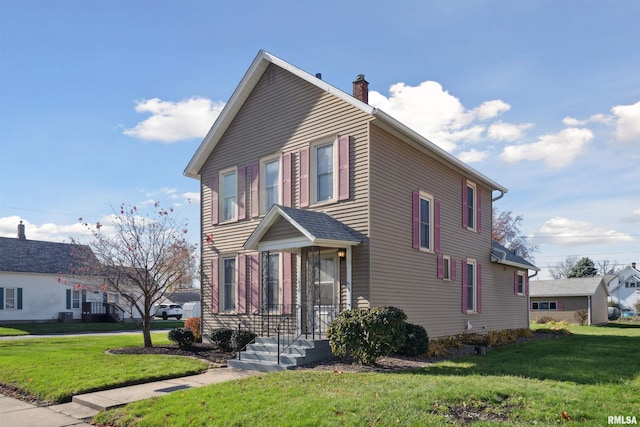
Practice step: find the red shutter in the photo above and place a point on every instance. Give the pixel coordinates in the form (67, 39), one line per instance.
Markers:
(560, 305)
(214, 200)
(479, 285)
(464, 286)
(440, 267)
(304, 177)
(526, 283)
(215, 291)
(286, 179)
(255, 282)
(242, 284)
(465, 219)
(436, 226)
(286, 283)
(255, 190)
(478, 209)
(416, 220)
(242, 192)
(454, 274)
(343, 167)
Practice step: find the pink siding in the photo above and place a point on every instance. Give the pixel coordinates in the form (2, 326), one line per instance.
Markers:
(214, 284)
(286, 179)
(286, 283)
(242, 192)
(343, 168)
(214, 200)
(304, 177)
(242, 284)
(255, 190)
(255, 282)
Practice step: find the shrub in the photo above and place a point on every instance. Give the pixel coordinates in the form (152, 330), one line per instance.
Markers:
(581, 316)
(239, 339)
(221, 337)
(193, 324)
(364, 335)
(438, 348)
(546, 319)
(525, 333)
(416, 341)
(182, 336)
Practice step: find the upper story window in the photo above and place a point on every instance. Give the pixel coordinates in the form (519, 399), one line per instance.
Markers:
(270, 183)
(471, 203)
(520, 283)
(323, 175)
(426, 221)
(229, 195)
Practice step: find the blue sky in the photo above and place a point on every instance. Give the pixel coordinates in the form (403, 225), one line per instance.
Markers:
(105, 102)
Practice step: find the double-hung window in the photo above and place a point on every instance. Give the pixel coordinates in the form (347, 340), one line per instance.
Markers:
(520, 283)
(472, 289)
(229, 194)
(324, 186)
(10, 298)
(471, 199)
(229, 284)
(76, 299)
(426, 222)
(446, 267)
(270, 183)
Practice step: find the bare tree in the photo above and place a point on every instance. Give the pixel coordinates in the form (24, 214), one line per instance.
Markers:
(563, 268)
(506, 231)
(607, 267)
(141, 258)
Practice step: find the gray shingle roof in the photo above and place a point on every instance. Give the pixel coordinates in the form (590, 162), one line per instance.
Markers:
(583, 286)
(505, 256)
(34, 256)
(321, 225)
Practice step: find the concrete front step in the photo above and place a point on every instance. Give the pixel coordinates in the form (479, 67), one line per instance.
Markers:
(263, 354)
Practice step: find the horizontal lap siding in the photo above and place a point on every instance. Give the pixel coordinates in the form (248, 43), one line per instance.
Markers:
(407, 278)
(282, 115)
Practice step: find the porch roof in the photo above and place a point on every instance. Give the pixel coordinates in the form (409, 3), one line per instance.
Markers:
(315, 229)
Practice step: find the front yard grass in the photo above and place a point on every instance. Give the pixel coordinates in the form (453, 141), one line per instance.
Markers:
(47, 328)
(55, 368)
(582, 379)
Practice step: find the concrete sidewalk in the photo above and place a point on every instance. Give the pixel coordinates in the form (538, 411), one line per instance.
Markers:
(16, 413)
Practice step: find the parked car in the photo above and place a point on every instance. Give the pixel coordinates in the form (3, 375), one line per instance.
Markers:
(614, 313)
(629, 313)
(168, 310)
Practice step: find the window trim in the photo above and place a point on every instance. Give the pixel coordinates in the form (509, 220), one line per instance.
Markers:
(474, 288)
(431, 244)
(262, 182)
(472, 210)
(222, 284)
(523, 275)
(15, 298)
(446, 267)
(75, 302)
(313, 176)
(549, 303)
(222, 174)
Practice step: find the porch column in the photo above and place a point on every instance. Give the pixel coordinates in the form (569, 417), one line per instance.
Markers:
(349, 293)
(299, 292)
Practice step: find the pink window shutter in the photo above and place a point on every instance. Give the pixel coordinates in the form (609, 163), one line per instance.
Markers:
(304, 177)
(242, 192)
(254, 270)
(479, 285)
(464, 287)
(560, 305)
(526, 284)
(255, 190)
(416, 220)
(478, 210)
(436, 226)
(440, 267)
(515, 282)
(286, 283)
(454, 274)
(242, 284)
(465, 219)
(286, 179)
(214, 200)
(215, 291)
(343, 167)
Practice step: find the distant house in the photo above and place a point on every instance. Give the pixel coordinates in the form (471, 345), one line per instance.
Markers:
(625, 288)
(561, 299)
(41, 281)
(315, 202)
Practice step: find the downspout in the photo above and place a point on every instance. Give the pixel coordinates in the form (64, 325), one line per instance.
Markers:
(589, 307)
(529, 300)
(495, 199)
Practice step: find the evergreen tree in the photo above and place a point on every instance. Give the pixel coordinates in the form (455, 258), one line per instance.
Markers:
(585, 267)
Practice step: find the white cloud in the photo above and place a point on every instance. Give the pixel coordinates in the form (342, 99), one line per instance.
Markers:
(627, 122)
(47, 232)
(634, 218)
(564, 231)
(175, 121)
(191, 197)
(500, 131)
(473, 155)
(437, 115)
(557, 150)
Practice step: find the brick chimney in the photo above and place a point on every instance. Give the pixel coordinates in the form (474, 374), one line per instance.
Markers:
(361, 89)
(21, 235)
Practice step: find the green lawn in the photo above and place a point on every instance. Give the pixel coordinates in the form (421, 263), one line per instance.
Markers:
(66, 328)
(56, 368)
(589, 376)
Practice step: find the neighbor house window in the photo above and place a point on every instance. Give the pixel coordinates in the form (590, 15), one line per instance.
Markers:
(76, 299)
(544, 305)
(229, 192)
(471, 281)
(426, 221)
(229, 287)
(271, 295)
(10, 298)
(471, 200)
(323, 179)
(269, 183)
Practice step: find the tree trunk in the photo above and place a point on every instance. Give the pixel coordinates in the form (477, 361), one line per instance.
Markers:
(146, 330)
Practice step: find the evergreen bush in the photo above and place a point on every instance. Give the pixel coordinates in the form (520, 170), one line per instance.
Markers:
(182, 336)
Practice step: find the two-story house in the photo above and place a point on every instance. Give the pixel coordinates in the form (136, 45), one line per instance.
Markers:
(314, 202)
(625, 288)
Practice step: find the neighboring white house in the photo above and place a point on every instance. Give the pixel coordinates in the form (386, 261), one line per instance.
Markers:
(625, 288)
(40, 281)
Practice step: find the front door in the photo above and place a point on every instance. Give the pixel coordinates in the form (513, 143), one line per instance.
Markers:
(326, 292)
